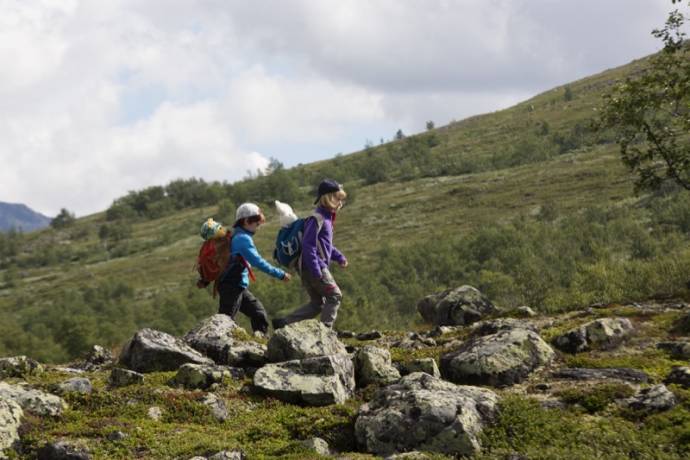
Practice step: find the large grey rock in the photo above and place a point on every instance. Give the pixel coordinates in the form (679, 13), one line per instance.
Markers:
(34, 401)
(421, 412)
(622, 373)
(315, 381)
(455, 307)
(213, 336)
(677, 350)
(500, 359)
(600, 334)
(11, 415)
(373, 365)
(19, 366)
(304, 339)
(680, 375)
(426, 365)
(656, 398)
(62, 450)
(75, 385)
(193, 376)
(152, 351)
(120, 377)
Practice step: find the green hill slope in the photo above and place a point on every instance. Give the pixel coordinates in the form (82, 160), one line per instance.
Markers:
(529, 204)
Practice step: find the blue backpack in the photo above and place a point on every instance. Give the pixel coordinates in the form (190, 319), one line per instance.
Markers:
(288, 250)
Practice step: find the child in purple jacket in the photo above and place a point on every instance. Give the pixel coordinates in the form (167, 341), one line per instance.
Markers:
(317, 252)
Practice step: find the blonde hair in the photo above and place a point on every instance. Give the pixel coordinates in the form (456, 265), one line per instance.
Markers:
(330, 200)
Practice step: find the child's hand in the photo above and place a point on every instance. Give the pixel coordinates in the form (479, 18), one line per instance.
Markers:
(287, 277)
(344, 264)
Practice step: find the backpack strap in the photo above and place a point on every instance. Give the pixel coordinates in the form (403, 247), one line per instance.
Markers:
(319, 226)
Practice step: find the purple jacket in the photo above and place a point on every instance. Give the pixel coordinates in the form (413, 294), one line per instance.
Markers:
(313, 258)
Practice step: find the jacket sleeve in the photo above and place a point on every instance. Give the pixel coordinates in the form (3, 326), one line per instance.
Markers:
(309, 248)
(337, 255)
(251, 255)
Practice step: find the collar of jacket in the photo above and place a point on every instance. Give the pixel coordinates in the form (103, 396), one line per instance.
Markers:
(326, 213)
(243, 230)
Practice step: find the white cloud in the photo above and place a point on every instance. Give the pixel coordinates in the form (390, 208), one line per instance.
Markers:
(98, 98)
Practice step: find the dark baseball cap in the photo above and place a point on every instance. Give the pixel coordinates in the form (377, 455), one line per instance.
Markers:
(327, 186)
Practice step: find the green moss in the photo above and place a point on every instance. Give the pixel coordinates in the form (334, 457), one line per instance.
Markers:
(404, 355)
(524, 427)
(654, 362)
(597, 398)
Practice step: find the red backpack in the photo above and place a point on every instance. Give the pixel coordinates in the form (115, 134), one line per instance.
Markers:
(213, 258)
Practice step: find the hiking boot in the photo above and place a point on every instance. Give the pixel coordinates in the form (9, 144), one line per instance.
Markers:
(278, 323)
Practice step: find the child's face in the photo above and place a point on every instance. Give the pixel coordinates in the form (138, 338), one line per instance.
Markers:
(253, 227)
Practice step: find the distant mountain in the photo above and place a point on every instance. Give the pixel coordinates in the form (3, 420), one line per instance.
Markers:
(21, 217)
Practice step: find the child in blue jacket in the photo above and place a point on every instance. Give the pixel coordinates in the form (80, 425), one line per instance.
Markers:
(233, 286)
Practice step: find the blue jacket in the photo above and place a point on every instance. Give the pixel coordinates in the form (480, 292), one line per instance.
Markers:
(243, 245)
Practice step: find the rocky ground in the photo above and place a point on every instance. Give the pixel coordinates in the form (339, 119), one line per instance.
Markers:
(607, 381)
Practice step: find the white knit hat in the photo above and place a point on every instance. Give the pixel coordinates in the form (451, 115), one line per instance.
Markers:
(247, 210)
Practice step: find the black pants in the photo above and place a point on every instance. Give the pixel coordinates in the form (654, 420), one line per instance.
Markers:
(234, 299)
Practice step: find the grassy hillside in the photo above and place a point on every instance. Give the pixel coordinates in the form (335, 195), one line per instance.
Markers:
(529, 204)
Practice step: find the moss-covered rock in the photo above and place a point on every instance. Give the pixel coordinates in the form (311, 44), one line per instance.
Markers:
(500, 359)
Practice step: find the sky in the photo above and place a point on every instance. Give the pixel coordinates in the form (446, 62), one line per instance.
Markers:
(100, 97)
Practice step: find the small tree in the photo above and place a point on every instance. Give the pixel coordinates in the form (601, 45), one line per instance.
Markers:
(429, 125)
(399, 135)
(64, 219)
(568, 94)
(651, 113)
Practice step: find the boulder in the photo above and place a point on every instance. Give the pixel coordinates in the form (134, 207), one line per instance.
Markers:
(11, 415)
(19, 366)
(303, 339)
(500, 359)
(217, 406)
(421, 412)
(213, 337)
(579, 373)
(426, 365)
(492, 326)
(228, 455)
(680, 375)
(120, 377)
(153, 351)
(677, 350)
(246, 354)
(315, 381)
(656, 398)
(75, 385)
(600, 334)
(317, 445)
(373, 365)
(200, 376)
(98, 358)
(34, 401)
(455, 307)
(371, 335)
(62, 451)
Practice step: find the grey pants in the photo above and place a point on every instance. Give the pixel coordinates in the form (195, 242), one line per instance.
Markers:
(324, 298)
